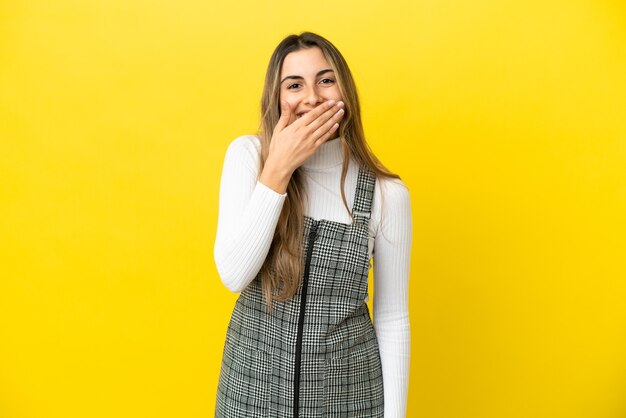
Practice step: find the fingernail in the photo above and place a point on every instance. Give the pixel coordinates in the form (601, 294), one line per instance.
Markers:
(331, 102)
(340, 112)
(340, 104)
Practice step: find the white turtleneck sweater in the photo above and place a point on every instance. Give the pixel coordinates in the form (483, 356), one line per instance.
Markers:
(249, 212)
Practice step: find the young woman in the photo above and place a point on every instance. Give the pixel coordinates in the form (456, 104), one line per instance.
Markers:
(304, 207)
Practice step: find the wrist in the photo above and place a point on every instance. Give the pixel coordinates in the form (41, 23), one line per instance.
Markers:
(276, 178)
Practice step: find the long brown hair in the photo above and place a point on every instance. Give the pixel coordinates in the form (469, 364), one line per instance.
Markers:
(282, 269)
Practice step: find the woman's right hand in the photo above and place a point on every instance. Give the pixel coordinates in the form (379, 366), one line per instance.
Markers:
(295, 140)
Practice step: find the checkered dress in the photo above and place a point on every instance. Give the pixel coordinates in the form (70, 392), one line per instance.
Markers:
(315, 355)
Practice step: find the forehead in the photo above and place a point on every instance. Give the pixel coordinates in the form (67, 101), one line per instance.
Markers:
(304, 62)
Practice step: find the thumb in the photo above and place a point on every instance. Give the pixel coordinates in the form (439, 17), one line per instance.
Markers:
(285, 115)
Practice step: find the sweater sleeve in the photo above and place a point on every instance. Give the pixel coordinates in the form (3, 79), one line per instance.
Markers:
(392, 251)
(247, 216)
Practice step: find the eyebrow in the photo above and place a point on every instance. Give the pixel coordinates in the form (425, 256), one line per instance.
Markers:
(298, 77)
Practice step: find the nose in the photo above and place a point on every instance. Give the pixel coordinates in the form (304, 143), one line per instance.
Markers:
(313, 98)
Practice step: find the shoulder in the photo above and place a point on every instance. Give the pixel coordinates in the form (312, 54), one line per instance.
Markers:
(391, 192)
(245, 144)
(391, 205)
(245, 149)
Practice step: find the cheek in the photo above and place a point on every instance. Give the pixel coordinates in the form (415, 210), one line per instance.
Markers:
(337, 93)
(290, 99)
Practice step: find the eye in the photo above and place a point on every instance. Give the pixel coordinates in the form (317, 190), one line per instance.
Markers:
(327, 81)
(293, 86)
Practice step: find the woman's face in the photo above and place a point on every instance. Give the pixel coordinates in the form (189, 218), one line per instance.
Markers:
(307, 80)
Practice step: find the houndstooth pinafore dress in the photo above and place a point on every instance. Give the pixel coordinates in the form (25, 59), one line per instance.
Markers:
(315, 355)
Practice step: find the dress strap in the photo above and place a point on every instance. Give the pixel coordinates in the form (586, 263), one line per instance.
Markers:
(365, 184)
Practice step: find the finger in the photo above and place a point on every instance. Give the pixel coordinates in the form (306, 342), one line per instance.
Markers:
(327, 125)
(326, 116)
(292, 118)
(285, 116)
(329, 134)
(316, 112)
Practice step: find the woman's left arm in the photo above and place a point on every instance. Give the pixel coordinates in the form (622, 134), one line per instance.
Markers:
(392, 253)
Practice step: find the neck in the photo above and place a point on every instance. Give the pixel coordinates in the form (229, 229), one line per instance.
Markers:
(327, 156)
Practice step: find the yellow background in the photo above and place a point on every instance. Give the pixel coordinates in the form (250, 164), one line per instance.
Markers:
(507, 121)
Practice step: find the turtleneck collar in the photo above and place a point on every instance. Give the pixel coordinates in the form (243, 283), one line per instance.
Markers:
(327, 156)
